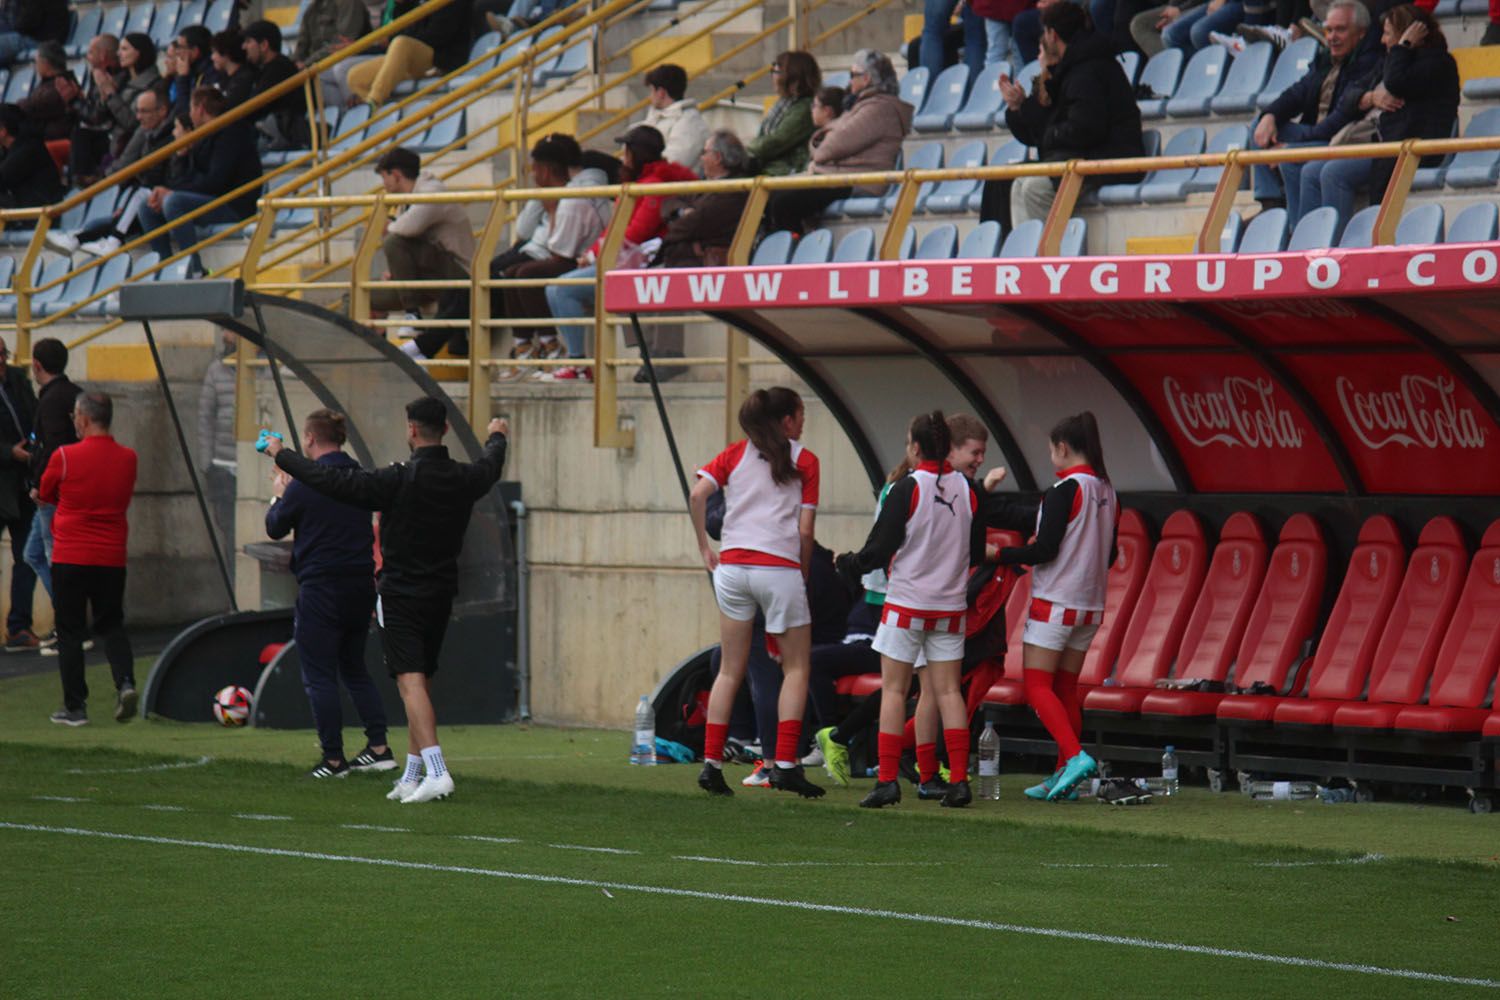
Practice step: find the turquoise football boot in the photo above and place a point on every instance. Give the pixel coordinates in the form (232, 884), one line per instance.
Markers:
(1040, 791)
(1079, 766)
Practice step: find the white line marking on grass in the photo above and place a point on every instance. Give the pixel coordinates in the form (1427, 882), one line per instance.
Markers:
(377, 829)
(262, 817)
(489, 840)
(809, 864)
(60, 798)
(785, 904)
(595, 850)
(200, 762)
(165, 809)
(1049, 864)
(1363, 859)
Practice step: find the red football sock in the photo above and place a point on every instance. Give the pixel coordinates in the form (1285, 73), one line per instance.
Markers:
(958, 754)
(713, 740)
(1065, 686)
(1049, 710)
(788, 733)
(889, 750)
(909, 735)
(927, 761)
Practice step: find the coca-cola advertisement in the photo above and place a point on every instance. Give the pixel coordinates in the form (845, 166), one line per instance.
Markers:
(1235, 427)
(1410, 425)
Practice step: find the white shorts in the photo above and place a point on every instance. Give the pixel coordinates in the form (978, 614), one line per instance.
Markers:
(916, 646)
(1048, 635)
(777, 591)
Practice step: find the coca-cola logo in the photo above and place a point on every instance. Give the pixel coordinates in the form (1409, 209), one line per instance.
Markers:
(1297, 566)
(1434, 571)
(1242, 413)
(1420, 413)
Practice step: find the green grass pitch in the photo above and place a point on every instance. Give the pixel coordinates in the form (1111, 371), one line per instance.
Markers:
(164, 860)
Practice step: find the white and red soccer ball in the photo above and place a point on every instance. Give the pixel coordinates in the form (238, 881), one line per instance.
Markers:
(232, 705)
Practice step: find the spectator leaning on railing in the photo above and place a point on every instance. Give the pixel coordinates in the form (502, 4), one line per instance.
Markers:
(678, 120)
(28, 174)
(780, 144)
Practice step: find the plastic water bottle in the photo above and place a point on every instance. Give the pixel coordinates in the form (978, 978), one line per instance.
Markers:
(989, 762)
(643, 749)
(1169, 771)
(1282, 791)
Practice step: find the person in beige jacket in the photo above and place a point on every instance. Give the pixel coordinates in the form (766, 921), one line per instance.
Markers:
(422, 243)
(866, 137)
(676, 118)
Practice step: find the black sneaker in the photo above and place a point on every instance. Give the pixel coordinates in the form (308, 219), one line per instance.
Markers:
(791, 779)
(125, 702)
(369, 760)
(67, 717)
(959, 795)
(328, 769)
(934, 789)
(885, 793)
(711, 780)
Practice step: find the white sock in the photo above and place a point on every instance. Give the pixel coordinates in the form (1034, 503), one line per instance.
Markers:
(714, 763)
(786, 765)
(433, 757)
(413, 768)
(411, 350)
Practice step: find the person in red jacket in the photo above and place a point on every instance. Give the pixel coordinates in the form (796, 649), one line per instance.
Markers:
(90, 483)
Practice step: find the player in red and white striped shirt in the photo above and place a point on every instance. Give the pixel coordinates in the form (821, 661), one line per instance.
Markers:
(770, 485)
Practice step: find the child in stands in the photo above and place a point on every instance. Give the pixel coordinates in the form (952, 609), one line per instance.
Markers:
(770, 485)
(1070, 559)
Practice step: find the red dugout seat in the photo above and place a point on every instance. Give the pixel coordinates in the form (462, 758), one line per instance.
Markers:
(1492, 727)
(857, 685)
(1214, 630)
(1463, 677)
(1279, 624)
(1007, 690)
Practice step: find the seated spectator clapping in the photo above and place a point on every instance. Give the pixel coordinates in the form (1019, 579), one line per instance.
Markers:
(90, 140)
(780, 145)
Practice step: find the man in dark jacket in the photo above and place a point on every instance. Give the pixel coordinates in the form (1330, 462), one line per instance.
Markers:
(52, 428)
(219, 163)
(333, 556)
(424, 509)
(17, 411)
(50, 109)
(92, 135)
(1083, 108)
(283, 124)
(25, 24)
(190, 66)
(1312, 110)
(28, 174)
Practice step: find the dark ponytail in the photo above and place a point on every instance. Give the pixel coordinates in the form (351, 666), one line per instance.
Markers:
(929, 432)
(1080, 433)
(760, 418)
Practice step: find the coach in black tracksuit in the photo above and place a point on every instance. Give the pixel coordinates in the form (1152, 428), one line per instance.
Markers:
(333, 556)
(424, 509)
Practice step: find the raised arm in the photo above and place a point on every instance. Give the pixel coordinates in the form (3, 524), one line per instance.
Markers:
(486, 471)
(1057, 510)
(356, 487)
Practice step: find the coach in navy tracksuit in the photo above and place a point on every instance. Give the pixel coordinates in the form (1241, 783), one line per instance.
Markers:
(333, 555)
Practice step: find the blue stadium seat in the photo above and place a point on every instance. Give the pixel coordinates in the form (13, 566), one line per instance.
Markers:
(1244, 81)
(1161, 75)
(41, 274)
(7, 273)
(1075, 239)
(112, 272)
(839, 78)
(863, 206)
(139, 19)
(914, 86)
(144, 263)
(1022, 240)
(112, 22)
(1168, 185)
(192, 13)
(1012, 151)
(1291, 66)
(442, 133)
(1474, 8)
(953, 195)
(351, 127)
(1475, 224)
(291, 31)
(984, 103)
(939, 244)
(857, 246)
(41, 302)
(1421, 225)
(1229, 236)
(100, 208)
(1359, 231)
(1200, 83)
(1317, 230)
(928, 156)
(219, 15)
(1431, 178)
(1266, 233)
(944, 98)
(489, 44)
(814, 248)
(1028, 73)
(982, 242)
(85, 27)
(21, 79)
(1480, 167)
(178, 270)
(573, 60)
(1483, 88)
(4, 79)
(164, 25)
(1130, 62)
(1207, 178)
(774, 249)
(908, 243)
(1446, 8)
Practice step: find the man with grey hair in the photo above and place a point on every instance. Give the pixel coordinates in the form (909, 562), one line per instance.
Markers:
(91, 484)
(1311, 111)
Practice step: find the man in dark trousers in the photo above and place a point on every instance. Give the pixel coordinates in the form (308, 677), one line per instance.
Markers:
(91, 484)
(424, 509)
(17, 410)
(52, 429)
(333, 556)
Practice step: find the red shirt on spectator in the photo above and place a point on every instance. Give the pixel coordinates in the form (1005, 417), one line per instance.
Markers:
(91, 483)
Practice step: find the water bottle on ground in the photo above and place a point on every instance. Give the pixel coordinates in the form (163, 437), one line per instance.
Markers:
(989, 762)
(1336, 796)
(1169, 771)
(643, 747)
(1282, 791)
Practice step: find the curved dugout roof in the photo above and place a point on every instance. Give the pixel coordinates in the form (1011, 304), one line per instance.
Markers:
(1359, 372)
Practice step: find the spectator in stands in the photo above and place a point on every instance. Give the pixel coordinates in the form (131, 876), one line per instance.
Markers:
(28, 174)
(866, 138)
(677, 119)
(327, 26)
(1000, 43)
(26, 24)
(189, 66)
(52, 427)
(1187, 26)
(780, 144)
(17, 410)
(439, 41)
(217, 455)
(827, 105)
(1312, 111)
(138, 59)
(1084, 109)
(422, 243)
(216, 165)
(283, 124)
(91, 140)
(46, 109)
(1026, 30)
(236, 76)
(936, 15)
(568, 227)
(91, 483)
(642, 163)
(1415, 96)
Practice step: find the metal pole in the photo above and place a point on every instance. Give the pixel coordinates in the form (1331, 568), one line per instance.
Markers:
(286, 406)
(213, 536)
(661, 407)
(523, 611)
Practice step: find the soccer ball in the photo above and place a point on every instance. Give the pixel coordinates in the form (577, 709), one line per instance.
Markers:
(232, 705)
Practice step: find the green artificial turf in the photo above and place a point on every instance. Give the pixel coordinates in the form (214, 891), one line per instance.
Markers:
(928, 902)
